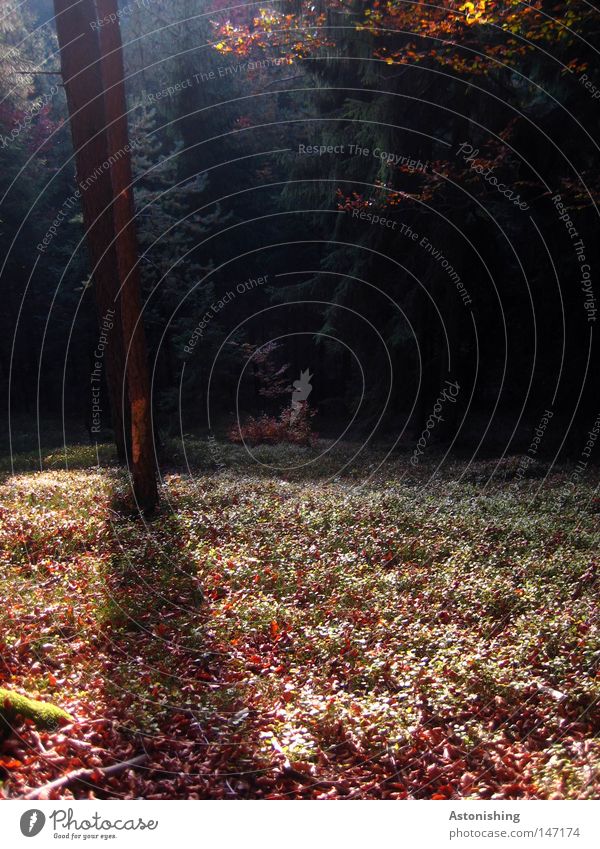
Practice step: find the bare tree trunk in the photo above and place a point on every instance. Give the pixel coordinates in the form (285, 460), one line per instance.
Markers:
(136, 358)
(92, 69)
(81, 72)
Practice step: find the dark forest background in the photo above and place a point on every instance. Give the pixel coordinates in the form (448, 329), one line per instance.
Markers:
(224, 195)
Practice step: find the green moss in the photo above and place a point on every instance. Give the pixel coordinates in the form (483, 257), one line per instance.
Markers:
(43, 714)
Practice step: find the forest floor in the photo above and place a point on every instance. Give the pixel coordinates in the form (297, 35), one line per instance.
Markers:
(375, 634)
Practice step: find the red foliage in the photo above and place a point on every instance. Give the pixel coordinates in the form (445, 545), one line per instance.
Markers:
(291, 426)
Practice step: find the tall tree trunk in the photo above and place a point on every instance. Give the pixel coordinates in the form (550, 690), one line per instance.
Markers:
(81, 73)
(136, 357)
(92, 68)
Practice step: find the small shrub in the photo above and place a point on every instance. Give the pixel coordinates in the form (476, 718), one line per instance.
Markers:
(293, 426)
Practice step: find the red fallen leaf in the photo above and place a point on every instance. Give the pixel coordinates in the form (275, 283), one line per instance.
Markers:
(274, 629)
(439, 796)
(10, 763)
(447, 789)
(513, 788)
(52, 680)
(161, 629)
(204, 676)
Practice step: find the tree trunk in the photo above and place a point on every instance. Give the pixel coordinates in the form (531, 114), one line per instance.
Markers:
(81, 73)
(136, 358)
(92, 69)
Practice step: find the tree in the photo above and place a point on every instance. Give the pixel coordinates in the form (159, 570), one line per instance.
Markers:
(136, 360)
(83, 87)
(92, 70)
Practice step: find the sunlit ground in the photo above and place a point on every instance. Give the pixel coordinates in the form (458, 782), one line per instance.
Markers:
(291, 635)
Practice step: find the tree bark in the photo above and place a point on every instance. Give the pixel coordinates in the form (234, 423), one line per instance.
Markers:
(81, 72)
(136, 357)
(92, 69)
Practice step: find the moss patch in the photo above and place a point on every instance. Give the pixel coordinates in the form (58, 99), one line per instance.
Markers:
(43, 714)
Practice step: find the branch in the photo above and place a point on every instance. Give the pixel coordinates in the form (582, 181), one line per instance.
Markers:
(283, 79)
(30, 73)
(550, 691)
(86, 775)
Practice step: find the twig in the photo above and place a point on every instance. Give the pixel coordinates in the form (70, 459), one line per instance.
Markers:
(38, 742)
(288, 771)
(80, 722)
(550, 691)
(84, 775)
(284, 79)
